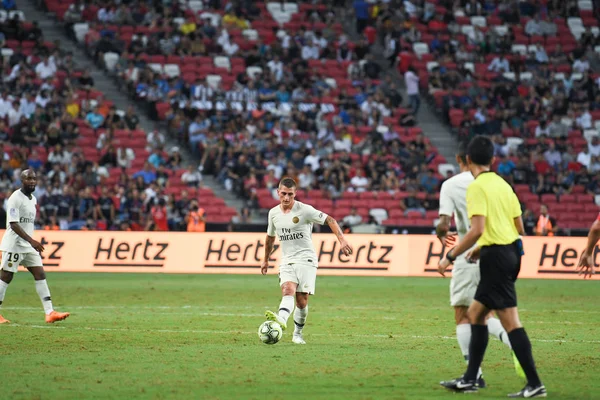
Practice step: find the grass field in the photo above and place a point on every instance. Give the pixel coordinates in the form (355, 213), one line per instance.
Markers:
(194, 337)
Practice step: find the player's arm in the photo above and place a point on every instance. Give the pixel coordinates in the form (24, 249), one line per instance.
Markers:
(23, 235)
(337, 231)
(446, 211)
(269, 246)
(586, 265)
(470, 239)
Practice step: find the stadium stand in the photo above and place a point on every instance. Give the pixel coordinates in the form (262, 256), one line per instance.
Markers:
(525, 73)
(257, 92)
(97, 169)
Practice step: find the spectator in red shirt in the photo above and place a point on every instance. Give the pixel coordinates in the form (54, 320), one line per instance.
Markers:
(541, 165)
(159, 217)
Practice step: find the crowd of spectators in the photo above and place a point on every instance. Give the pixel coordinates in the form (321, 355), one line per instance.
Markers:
(92, 174)
(332, 131)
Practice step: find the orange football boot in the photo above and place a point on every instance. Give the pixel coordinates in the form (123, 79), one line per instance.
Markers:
(3, 320)
(56, 316)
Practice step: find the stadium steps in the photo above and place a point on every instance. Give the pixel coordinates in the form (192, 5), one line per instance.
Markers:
(102, 82)
(433, 128)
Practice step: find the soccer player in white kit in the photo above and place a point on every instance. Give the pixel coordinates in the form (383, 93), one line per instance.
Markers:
(19, 248)
(465, 274)
(292, 221)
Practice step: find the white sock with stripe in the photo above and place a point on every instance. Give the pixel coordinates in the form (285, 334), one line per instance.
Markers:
(495, 328)
(42, 290)
(463, 335)
(3, 287)
(286, 307)
(300, 315)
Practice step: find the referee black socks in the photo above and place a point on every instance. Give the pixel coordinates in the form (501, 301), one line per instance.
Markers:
(522, 348)
(479, 342)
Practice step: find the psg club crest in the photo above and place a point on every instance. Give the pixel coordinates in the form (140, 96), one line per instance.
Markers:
(295, 220)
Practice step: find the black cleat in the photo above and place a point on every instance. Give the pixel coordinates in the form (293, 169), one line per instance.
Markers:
(460, 385)
(481, 382)
(529, 392)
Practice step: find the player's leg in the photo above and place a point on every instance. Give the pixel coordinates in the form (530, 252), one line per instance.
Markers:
(479, 339)
(8, 267)
(300, 315)
(522, 348)
(289, 283)
(463, 286)
(307, 278)
(33, 263)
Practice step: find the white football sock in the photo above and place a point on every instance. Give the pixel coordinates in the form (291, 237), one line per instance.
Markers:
(300, 315)
(286, 307)
(3, 287)
(495, 328)
(463, 335)
(42, 290)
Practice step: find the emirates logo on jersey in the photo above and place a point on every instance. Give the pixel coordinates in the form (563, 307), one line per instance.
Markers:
(295, 220)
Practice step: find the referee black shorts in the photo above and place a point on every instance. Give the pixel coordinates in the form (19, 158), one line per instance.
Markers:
(499, 266)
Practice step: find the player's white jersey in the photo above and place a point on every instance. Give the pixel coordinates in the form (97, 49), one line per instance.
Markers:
(453, 201)
(21, 209)
(294, 231)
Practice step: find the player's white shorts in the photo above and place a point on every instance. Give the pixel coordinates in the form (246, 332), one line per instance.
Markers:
(304, 274)
(463, 285)
(11, 261)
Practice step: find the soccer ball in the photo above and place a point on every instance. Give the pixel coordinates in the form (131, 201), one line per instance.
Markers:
(269, 332)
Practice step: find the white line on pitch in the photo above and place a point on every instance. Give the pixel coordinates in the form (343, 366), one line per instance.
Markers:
(217, 332)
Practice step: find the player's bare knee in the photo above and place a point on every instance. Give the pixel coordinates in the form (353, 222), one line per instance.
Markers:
(288, 289)
(301, 300)
(460, 315)
(476, 316)
(38, 273)
(6, 276)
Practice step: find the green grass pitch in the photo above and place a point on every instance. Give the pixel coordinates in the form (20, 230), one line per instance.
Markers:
(194, 337)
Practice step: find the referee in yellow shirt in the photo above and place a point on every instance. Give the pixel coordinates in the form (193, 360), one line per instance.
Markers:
(496, 223)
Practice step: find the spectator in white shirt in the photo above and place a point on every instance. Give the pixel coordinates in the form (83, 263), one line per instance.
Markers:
(230, 48)
(584, 121)
(499, 64)
(312, 159)
(13, 114)
(59, 156)
(341, 143)
(359, 182)
(45, 69)
(27, 106)
(584, 157)
(276, 68)
(192, 177)
(311, 51)
(534, 26)
(581, 65)
(155, 140)
(353, 218)
(306, 179)
(476, 36)
(411, 80)
(106, 14)
(125, 157)
(594, 146)
(543, 129)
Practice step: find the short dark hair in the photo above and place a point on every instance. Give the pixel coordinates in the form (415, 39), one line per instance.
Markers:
(461, 153)
(288, 183)
(481, 150)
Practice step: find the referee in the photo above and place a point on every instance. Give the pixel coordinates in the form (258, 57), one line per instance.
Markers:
(496, 223)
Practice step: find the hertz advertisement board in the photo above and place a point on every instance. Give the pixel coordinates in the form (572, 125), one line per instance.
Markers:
(241, 253)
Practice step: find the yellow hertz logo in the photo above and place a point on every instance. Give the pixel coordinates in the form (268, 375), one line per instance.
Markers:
(295, 220)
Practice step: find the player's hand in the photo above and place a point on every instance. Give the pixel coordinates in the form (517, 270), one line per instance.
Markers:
(37, 246)
(264, 267)
(346, 247)
(586, 265)
(450, 239)
(443, 265)
(473, 255)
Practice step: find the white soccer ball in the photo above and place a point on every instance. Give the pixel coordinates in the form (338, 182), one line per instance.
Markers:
(270, 332)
